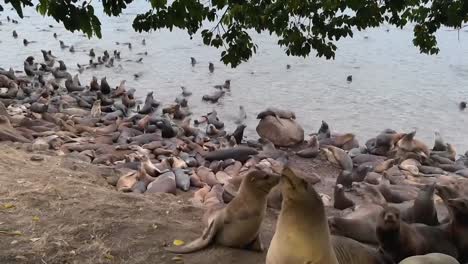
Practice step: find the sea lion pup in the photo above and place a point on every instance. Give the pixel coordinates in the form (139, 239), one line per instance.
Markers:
(399, 240)
(238, 224)
(433, 258)
(312, 149)
(302, 234)
(324, 131)
(341, 202)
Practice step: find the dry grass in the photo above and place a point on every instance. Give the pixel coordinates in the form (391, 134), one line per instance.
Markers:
(63, 211)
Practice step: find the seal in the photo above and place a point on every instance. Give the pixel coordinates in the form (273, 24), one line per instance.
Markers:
(357, 229)
(238, 224)
(400, 240)
(432, 258)
(302, 234)
(341, 202)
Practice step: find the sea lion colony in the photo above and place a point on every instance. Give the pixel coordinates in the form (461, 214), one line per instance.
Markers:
(385, 194)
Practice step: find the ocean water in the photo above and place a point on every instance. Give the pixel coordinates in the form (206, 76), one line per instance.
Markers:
(394, 86)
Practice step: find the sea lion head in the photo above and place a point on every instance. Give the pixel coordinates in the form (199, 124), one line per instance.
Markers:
(297, 189)
(389, 219)
(459, 206)
(260, 181)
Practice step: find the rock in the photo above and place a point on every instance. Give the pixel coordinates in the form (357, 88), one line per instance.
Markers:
(281, 132)
(37, 158)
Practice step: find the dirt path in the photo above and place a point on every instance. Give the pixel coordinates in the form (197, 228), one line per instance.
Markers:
(63, 211)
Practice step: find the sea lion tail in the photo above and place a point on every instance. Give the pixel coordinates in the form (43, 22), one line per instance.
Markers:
(199, 243)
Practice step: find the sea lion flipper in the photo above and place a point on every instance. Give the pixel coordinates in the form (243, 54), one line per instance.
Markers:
(203, 241)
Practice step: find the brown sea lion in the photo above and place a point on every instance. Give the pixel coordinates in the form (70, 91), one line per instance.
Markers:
(410, 144)
(400, 240)
(8, 133)
(357, 229)
(312, 149)
(341, 202)
(449, 153)
(126, 182)
(164, 183)
(302, 234)
(339, 157)
(458, 226)
(199, 196)
(349, 251)
(238, 224)
(423, 210)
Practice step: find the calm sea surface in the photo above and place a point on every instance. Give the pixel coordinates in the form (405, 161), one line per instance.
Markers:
(393, 85)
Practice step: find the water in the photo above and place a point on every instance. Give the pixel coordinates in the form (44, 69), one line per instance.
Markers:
(393, 85)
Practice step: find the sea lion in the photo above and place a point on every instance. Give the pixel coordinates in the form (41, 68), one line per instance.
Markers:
(276, 112)
(341, 202)
(312, 149)
(345, 179)
(302, 234)
(357, 229)
(410, 144)
(439, 144)
(211, 67)
(432, 258)
(239, 153)
(349, 251)
(449, 153)
(242, 116)
(339, 157)
(105, 87)
(400, 240)
(149, 103)
(214, 97)
(238, 224)
(164, 183)
(423, 210)
(324, 131)
(182, 179)
(238, 134)
(458, 226)
(96, 109)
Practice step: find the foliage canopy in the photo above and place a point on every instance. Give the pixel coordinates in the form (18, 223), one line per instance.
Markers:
(302, 26)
